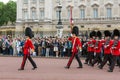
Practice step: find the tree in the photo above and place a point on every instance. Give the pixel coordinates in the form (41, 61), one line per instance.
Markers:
(11, 11)
(7, 13)
(1, 13)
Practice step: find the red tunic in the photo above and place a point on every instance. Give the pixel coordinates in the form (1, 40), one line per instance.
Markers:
(27, 46)
(107, 47)
(77, 43)
(116, 50)
(97, 49)
(91, 45)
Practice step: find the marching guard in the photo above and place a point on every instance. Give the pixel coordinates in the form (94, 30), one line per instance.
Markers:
(115, 50)
(107, 44)
(28, 46)
(90, 48)
(76, 46)
(97, 48)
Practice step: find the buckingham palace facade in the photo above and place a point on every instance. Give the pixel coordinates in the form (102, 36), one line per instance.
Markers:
(42, 15)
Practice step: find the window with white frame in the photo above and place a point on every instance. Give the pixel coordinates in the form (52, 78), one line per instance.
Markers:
(95, 12)
(69, 1)
(25, 14)
(25, 1)
(82, 13)
(81, 0)
(33, 1)
(57, 1)
(42, 14)
(109, 12)
(57, 14)
(33, 14)
(41, 0)
(68, 14)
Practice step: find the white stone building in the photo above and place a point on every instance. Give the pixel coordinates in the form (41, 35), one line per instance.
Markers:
(42, 15)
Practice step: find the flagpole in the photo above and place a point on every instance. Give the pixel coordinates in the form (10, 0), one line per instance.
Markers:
(71, 19)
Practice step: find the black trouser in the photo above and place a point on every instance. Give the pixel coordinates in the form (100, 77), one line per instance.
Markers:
(107, 57)
(68, 52)
(90, 57)
(118, 59)
(0, 49)
(87, 60)
(77, 58)
(114, 60)
(30, 59)
(97, 59)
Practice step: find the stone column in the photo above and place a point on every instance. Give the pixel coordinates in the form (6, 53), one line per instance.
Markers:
(48, 10)
(19, 9)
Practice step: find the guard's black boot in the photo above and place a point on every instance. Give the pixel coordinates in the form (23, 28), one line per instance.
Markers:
(66, 67)
(34, 68)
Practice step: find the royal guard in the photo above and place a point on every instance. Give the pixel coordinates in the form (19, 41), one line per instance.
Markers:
(107, 49)
(90, 48)
(115, 49)
(97, 48)
(28, 47)
(76, 47)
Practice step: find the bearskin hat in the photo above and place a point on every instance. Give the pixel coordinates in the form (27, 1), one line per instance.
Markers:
(99, 34)
(75, 30)
(28, 32)
(116, 32)
(107, 33)
(93, 33)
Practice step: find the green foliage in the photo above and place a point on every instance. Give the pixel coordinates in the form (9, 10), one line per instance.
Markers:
(1, 13)
(7, 13)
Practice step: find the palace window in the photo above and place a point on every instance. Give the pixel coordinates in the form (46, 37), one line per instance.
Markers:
(25, 1)
(68, 14)
(41, 0)
(42, 14)
(57, 14)
(95, 13)
(81, 0)
(57, 1)
(109, 12)
(34, 1)
(26, 15)
(82, 13)
(69, 0)
(33, 13)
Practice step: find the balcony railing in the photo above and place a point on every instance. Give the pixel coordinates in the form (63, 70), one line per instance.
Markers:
(76, 20)
(90, 19)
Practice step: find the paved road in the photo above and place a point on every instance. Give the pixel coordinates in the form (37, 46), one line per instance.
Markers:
(52, 69)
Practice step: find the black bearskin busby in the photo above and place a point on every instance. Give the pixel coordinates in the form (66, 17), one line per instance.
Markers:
(107, 33)
(75, 30)
(93, 33)
(99, 34)
(116, 32)
(28, 32)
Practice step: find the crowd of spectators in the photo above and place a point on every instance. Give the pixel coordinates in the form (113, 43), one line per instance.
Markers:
(48, 46)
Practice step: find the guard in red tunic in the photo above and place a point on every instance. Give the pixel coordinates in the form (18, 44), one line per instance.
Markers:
(76, 47)
(107, 49)
(90, 48)
(28, 46)
(115, 49)
(97, 48)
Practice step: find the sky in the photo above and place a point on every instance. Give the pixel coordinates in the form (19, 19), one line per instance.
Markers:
(5, 1)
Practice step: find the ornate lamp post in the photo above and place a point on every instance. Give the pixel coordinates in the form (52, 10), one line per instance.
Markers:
(59, 25)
